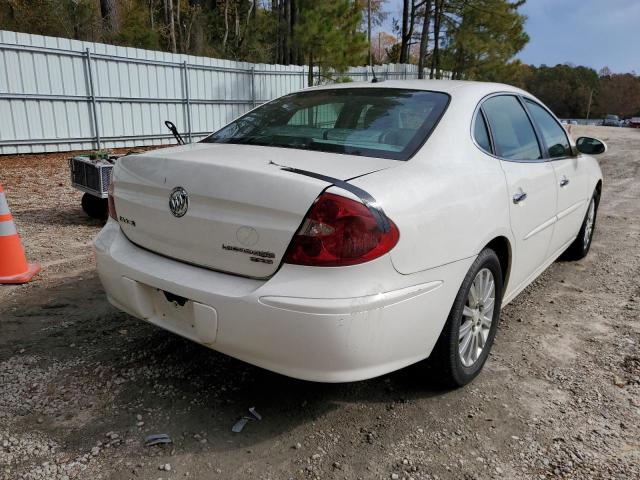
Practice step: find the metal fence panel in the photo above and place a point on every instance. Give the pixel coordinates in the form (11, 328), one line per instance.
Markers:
(58, 94)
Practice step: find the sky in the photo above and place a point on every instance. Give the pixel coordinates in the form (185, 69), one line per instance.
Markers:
(593, 33)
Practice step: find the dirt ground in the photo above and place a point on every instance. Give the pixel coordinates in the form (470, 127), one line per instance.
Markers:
(82, 385)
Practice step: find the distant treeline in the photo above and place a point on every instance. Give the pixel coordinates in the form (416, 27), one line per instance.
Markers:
(578, 92)
(472, 39)
(466, 37)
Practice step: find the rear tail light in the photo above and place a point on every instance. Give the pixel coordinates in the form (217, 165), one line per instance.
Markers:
(339, 231)
(111, 204)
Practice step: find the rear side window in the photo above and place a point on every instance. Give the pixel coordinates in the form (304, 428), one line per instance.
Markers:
(480, 133)
(513, 134)
(553, 134)
(372, 122)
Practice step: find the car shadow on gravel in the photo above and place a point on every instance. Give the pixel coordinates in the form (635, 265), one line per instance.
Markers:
(57, 217)
(113, 370)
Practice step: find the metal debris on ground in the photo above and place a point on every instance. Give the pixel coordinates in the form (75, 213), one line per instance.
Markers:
(239, 425)
(156, 439)
(253, 412)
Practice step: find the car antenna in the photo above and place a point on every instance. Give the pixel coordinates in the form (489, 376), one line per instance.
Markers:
(375, 79)
(172, 128)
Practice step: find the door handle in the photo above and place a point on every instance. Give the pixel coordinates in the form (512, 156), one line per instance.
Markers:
(564, 182)
(518, 197)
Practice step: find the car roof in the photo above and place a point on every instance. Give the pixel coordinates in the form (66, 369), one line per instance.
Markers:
(452, 87)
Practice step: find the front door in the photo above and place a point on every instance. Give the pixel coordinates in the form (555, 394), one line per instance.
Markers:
(571, 177)
(571, 181)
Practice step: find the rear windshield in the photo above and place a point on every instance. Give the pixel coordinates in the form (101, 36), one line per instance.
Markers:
(372, 122)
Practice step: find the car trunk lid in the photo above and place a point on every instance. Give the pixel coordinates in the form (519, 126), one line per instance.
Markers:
(243, 209)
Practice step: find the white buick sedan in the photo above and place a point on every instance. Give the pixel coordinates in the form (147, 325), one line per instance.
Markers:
(343, 232)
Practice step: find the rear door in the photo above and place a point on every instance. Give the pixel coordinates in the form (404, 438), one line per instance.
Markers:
(570, 172)
(530, 182)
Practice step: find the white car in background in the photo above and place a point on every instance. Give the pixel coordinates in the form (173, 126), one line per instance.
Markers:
(342, 232)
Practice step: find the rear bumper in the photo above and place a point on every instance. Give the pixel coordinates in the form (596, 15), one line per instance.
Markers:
(344, 330)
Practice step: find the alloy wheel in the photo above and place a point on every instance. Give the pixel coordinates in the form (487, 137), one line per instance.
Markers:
(588, 227)
(477, 317)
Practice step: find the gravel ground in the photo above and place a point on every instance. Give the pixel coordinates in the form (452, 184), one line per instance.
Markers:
(82, 385)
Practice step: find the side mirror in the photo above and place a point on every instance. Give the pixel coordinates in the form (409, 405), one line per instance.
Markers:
(591, 146)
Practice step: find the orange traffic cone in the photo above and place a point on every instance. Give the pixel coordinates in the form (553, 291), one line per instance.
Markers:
(13, 264)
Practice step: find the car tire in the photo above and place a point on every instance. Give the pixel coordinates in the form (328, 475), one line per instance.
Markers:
(448, 357)
(95, 207)
(582, 244)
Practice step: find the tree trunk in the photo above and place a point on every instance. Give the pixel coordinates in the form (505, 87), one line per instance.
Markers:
(405, 28)
(179, 25)
(226, 24)
(287, 35)
(369, 30)
(435, 57)
(310, 74)
(408, 23)
(197, 35)
(12, 10)
(109, 13)
(237, 23)
(459, 64)
(275, 8)
(424, 38)
(172, 28)
(293, 17)
(250, 15)
(280, 33)
(187, 39)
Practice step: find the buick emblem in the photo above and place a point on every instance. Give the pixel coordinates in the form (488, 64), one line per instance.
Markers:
(178, 202)
(247, 236)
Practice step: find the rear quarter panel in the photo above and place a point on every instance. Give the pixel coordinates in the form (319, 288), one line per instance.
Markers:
(449, 200)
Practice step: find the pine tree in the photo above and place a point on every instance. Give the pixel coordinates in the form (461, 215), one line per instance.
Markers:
(482, 36)
(328, 37)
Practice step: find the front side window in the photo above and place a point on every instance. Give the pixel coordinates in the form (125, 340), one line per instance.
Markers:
(513, 134)
(373, 122)
(553, 134)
